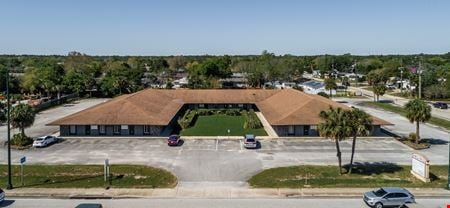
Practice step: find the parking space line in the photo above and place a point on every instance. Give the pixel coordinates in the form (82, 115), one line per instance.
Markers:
(217, 144)
(240, 144)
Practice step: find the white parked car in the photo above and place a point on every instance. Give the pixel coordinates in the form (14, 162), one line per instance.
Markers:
(44, 141)
(2, 195)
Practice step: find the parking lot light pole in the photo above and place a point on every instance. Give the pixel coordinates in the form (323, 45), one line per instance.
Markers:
(9, 186)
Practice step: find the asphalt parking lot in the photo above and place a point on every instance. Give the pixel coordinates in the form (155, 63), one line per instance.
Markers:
(39, 127)
(212, 160)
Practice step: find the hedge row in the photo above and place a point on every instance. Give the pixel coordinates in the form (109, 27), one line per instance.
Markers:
(188, 119)
(228, 112)
(251, 120)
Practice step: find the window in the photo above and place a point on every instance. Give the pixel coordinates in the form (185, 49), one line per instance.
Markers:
(102, 129)
(291, 130)
(390, 196)
(201, 105)
(88, 130)
(400, 195)
(116, 129)
(241, 105)
(146, 129)
(72, 129)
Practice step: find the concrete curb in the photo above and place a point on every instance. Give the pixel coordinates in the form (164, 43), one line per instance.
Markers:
(207, 192)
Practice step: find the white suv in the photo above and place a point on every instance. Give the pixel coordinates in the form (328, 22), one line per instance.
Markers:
(250, 141)
(44, 141)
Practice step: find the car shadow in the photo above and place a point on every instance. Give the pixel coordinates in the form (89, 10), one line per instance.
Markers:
(434, 141)
(7, 203)
(180, 143)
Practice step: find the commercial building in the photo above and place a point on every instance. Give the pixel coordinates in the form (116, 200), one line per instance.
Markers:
(153, 112)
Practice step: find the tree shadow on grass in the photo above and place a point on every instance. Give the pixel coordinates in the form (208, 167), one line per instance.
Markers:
(48, 181)
(373, 168)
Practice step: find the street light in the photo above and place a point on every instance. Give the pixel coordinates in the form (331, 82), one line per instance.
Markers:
(9, 186)
(401, 79)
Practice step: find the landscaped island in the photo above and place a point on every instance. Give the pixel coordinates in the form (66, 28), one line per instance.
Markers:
(205, 122)
(363, 175)
(89, 176)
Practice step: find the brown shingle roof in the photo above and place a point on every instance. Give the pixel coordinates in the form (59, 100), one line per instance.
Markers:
(158, 107)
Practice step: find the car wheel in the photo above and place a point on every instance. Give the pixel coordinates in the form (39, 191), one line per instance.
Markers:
(378, 205)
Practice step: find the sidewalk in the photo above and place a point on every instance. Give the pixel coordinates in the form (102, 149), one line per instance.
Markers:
(208, 192)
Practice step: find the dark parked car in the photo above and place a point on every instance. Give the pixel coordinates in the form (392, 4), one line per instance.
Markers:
(440, 105)
(173, 140)
(89, 206)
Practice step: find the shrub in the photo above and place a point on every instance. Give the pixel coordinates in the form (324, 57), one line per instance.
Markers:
(21, 140)
(233, 112)
(188, 119)
(251, 120)
(412, 137)
(323, 94)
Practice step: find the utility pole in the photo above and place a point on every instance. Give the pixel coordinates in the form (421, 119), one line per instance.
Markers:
(9, 186)
(420, 80)
(401, 79)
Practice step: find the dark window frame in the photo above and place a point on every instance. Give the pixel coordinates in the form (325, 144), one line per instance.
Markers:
(70, 129)
(87, 129)
(100, 129)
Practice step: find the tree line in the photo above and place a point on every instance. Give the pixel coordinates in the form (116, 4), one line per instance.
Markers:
(115, 75)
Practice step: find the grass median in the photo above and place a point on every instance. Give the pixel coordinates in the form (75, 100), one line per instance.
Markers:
(366, 175)
(400, 110)
(89, 176)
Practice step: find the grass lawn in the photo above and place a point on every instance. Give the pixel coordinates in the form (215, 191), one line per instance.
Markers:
(397, 109)
(217, 125)
(367, 176)
(89, 176)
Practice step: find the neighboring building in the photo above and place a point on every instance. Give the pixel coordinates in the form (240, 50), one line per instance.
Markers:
(181, 83)
(151, 112)
(314, 87)
(236, 81)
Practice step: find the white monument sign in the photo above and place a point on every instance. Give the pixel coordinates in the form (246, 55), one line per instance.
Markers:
(420, 167)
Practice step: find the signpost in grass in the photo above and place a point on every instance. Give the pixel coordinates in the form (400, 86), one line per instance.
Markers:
(22, 161)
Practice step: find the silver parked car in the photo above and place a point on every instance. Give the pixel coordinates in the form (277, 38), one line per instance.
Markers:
(2, 195)
(388, 196)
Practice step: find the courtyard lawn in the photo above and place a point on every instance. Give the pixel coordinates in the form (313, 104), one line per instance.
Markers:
(363, 175)
(89, 176)
(217, 125)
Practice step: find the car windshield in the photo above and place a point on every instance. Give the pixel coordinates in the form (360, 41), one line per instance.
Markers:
(250, 140)
(173, 138)
(1, 191)
(380, 192)
(39, 139)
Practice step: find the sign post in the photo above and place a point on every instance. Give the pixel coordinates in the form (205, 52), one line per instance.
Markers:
(22, 161)
(106, 169)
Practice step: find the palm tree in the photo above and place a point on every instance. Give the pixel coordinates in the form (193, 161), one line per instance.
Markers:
(22, 116)
(417, 111)
(361, 124)
(336, 126)
(330, 84)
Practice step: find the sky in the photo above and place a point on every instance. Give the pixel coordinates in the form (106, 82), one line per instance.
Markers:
(216, 27)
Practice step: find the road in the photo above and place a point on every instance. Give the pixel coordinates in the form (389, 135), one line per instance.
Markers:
(214, 203)
(441, 113)
(42, 118)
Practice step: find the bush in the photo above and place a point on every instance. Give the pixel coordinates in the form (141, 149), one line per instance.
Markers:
(323, 94)
(251, 120)
(233, 112)
(412, 137)
(21, 140)
(188, 119)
